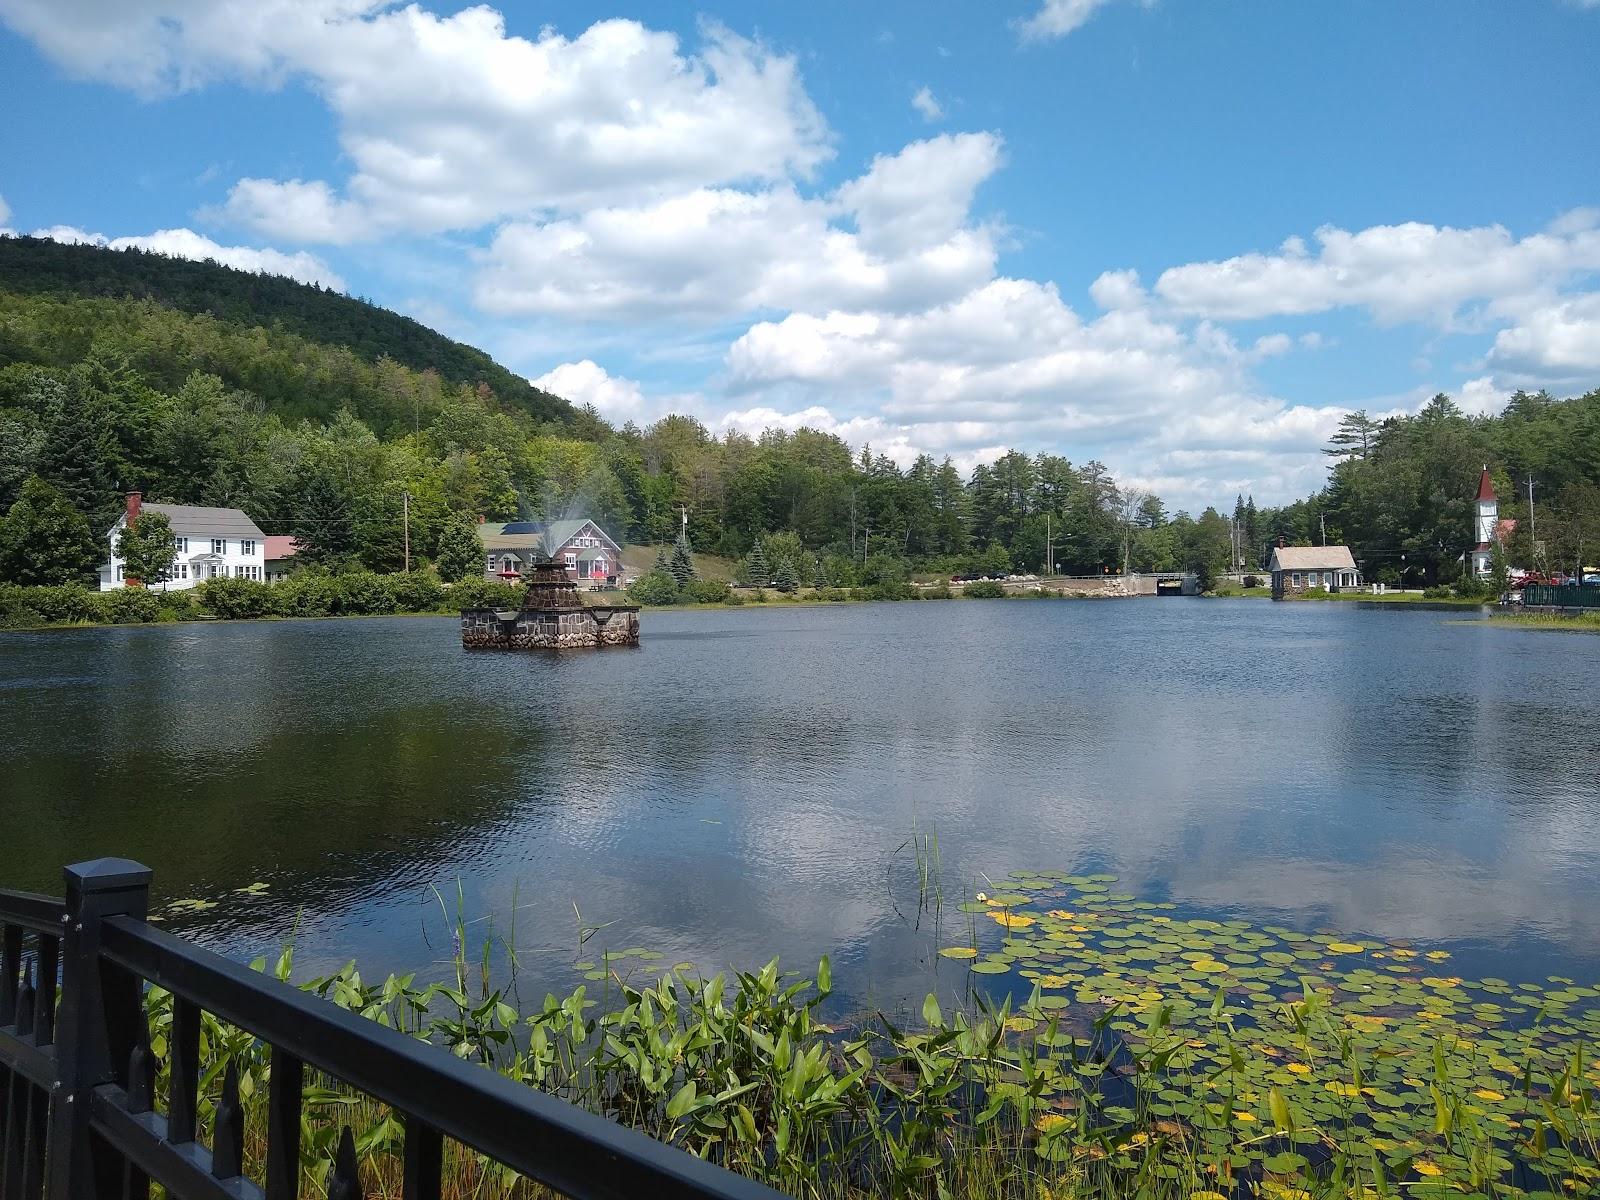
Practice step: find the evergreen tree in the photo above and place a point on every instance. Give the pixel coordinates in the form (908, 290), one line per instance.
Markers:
(148, 549)
(681, 568)
(663, 562)
(787, 579)
(756, 566)
(44, 539)
(323, 526)
(461, 554)
(78, 454)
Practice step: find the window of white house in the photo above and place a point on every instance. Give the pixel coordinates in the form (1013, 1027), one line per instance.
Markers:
(183, 570)
(219, 545)
(488, 564)
(183, 545)
(1327, 579)
(248, 548)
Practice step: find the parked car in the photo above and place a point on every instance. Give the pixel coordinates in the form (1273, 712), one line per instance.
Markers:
(1591, 580)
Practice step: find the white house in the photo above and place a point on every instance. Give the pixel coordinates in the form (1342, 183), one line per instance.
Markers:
(213, 543)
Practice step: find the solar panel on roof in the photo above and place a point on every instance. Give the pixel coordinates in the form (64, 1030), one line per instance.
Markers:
(522, 527)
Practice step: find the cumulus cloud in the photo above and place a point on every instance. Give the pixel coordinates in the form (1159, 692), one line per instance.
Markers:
(924, 101)
(725, 252)
(185, 243)
(616, 398)
(1559, 341)
(1407, 272)
(451, 123)
(1057, 18)
(5, 211)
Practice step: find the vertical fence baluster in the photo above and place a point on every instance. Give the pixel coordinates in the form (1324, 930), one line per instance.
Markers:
(44, 992)
(283, 1126)
(10, 968)
(227, 1130)
(34, 1134)
(424, 1160)
(184, 1089)
(16, 1131)
(345, 1182)
(141, 1092)
(25, 1005)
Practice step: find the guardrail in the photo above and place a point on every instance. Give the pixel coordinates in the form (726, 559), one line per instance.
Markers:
(80, 1118)
(1538, 595)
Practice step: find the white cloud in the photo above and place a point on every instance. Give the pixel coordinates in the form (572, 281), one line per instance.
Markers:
(1554, 342)
(449, 122)
(1407, 272)
(616, 398)
(924, 101)
(185, 243)
(726, 252)
(1057, 18)
(5, 211)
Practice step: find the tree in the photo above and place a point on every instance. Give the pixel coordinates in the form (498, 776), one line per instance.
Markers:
(322, 522)
(819, 577)
(45, 540)
(1353, 438)
(787, 578)
(663, 562)
(757, 572)
(460, 552)
(148, 549)
(682, 565)
(1499, 569)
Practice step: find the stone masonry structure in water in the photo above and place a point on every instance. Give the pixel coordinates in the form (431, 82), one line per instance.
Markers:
(551, 618)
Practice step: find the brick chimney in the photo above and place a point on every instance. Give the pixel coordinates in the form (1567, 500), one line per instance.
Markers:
(133, 506)
(1282, 541)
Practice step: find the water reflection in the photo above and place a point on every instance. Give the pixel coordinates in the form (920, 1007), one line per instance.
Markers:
(743, 784)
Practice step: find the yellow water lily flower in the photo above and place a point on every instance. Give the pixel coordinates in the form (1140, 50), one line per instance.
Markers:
(1424, 1167)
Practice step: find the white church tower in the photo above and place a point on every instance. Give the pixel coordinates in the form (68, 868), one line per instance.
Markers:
(1487, 518)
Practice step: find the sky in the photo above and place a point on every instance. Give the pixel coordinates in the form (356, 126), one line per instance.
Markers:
(1182, 237)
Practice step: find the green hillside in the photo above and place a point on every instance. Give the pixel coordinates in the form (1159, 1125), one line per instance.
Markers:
(41, 267)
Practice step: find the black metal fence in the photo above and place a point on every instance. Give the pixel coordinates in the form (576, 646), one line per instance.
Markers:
(80, 1117)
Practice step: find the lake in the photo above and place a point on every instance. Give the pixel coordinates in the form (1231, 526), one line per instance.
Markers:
(747, 782)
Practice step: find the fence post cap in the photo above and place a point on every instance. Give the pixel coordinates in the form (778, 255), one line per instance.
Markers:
(107, 875)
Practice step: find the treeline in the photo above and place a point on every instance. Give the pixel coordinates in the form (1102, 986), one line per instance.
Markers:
(39, 266)
(102, 396)
(1402, 491)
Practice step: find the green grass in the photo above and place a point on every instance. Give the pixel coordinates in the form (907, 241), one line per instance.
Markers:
(1577, 622)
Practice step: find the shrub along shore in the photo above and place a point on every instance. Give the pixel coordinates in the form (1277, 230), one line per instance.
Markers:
(363, 594)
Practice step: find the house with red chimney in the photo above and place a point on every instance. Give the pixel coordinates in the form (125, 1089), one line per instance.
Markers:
(213, 543)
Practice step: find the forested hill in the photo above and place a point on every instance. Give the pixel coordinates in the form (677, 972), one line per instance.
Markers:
(39, 266)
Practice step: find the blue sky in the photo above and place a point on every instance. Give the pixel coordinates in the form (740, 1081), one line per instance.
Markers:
(1180, 237)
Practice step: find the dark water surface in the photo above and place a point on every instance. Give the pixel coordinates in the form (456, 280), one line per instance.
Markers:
(744, 784)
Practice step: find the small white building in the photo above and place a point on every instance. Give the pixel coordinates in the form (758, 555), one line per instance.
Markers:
(1299, 569)
(213, 543)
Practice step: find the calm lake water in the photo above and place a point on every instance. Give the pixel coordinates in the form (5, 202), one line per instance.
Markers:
(745, 783)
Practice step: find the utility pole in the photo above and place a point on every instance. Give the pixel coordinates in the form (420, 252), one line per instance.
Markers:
(405, 503)
(1533, 533)
(1049, 558)
(683, 510)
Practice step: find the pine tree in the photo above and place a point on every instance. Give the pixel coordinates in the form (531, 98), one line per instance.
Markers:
(681, 567)
(663, 562)
(787, 579)
(756, 566)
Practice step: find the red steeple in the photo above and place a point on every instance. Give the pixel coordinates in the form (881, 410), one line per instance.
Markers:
(1485, 486)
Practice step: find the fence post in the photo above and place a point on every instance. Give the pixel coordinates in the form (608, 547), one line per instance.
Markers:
(97, 1010)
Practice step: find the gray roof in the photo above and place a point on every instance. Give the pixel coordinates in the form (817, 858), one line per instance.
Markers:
(493, 536)
(193, 520)
(1312, 558)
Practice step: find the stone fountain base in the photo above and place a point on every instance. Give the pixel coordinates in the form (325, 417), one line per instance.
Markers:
(550, 629)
